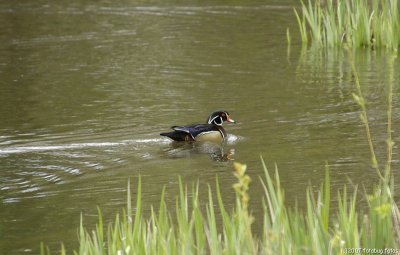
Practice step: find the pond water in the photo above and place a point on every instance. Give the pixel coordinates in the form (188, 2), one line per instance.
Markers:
(87, 86)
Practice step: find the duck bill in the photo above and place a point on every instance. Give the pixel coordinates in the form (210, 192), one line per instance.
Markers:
(230, 120)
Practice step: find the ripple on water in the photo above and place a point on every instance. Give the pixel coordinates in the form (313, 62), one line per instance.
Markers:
(46, 147)
(32, 168)
(232, 139)
(11, 200)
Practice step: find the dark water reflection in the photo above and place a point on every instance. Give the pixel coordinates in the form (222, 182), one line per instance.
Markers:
(217, 152)
(87, 87)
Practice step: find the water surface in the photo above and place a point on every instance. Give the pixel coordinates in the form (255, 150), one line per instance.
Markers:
(86, 88)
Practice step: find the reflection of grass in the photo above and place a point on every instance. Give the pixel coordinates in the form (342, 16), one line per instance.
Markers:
(356, 23)
(359, 98)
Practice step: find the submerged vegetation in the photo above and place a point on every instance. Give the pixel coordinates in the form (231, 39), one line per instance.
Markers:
(358, 23)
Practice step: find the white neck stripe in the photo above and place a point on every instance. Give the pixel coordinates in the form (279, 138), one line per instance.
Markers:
(212, 120)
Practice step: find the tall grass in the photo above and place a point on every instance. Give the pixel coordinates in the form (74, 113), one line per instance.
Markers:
(194, 230)
(358, 23)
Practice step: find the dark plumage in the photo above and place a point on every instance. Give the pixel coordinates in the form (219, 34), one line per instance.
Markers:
(212, 131)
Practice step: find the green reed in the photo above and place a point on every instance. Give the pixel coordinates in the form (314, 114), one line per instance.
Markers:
(358, 23)
(286, 229)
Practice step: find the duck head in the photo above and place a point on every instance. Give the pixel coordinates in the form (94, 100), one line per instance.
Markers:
(219, 117)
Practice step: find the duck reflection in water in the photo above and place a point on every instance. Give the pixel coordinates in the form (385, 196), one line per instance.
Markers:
(210, 135)
(216, 151)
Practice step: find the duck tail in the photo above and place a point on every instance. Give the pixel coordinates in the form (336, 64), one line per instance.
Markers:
(176, 136)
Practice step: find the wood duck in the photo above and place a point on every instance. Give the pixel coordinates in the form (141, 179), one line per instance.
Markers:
(212, 131)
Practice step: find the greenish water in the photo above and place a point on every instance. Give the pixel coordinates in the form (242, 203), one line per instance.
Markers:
(86, 87)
